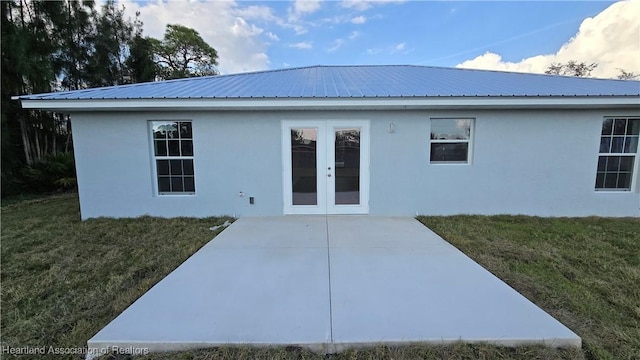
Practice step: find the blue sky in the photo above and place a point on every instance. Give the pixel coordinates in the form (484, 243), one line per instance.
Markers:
(504, 35)
(430, 33)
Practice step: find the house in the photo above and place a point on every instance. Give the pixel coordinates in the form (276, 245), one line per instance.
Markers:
(379, 140)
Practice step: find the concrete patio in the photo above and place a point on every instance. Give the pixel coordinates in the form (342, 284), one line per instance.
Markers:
(329, 283)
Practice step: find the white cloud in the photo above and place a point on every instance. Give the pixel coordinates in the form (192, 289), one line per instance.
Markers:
(273, 36)
(366, 4)
(241, 28)
(611, 39)
(306, 6)
(359, 20)
(296, 14)
(391, 50)
(257, 12)
(302, 45)
(239, 42)
(337, 44)
(301, 8)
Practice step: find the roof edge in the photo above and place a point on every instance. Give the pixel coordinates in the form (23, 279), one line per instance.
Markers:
(558, 102)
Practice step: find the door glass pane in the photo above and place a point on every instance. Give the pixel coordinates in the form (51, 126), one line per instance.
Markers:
(347, 166)
(304, 169)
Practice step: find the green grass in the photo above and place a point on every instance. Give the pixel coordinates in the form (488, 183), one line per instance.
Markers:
(64, 279)
(585, 272)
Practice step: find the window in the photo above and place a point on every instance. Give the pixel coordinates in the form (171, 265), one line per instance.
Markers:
(450, 141)
(618, 150)
(173, 152)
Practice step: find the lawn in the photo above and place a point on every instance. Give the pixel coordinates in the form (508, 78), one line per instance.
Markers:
(64, 279)
(585, 272)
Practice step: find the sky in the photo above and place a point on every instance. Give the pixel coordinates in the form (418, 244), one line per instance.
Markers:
(524, 36)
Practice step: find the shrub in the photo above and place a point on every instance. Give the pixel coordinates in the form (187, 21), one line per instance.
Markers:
(54, 173)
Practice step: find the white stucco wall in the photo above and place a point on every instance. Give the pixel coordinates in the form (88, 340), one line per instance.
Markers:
(535, 163)
(524, 162)
(232, 153)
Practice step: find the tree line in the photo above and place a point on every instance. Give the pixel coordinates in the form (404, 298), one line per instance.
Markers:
(583, 69)
(69, 45)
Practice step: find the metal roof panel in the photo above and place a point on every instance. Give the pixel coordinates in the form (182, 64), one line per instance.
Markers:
(358, 82)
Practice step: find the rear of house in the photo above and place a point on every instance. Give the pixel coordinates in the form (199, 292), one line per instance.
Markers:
(379, 140)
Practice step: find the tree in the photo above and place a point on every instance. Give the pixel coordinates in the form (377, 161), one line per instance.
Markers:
(183, 53)
(56, 45)
(624, 75)
(571, 68)
(140, 61)
(107, 64)
(28, 45)
(77, 37)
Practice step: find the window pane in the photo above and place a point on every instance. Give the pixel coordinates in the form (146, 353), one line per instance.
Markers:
(187, 147)
(185, 130)
(161, 147)
(304, 172)
(617, 145)
(631, 144)
(160, 129)
(619, 126)
(624, 180)
(633, 127)
(347, 166)
(602, 163)
(610, 180)
(626, 163)
(176, 184)
(599, 180)
(176, 167)
(449, 152)
(172, 130)
(605, 144)
(607, 126)
(174, 147)
(450, 129)
(613, 162)
(159, 134)
(162, 167)
(189, 184)
(187, 167)
(164, 184)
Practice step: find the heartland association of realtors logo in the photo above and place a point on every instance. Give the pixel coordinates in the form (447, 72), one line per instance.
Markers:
(53, 350)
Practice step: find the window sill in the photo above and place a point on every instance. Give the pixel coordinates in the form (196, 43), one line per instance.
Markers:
(449, 163)
(612, 190)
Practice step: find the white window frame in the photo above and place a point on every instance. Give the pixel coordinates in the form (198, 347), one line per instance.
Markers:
(635, 163)
(442, 141)
(154, 158)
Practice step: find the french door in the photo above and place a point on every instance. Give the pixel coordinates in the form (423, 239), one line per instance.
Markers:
(326, 167)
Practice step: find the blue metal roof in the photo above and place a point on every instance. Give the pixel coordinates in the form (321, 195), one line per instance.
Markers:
(358, 82)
